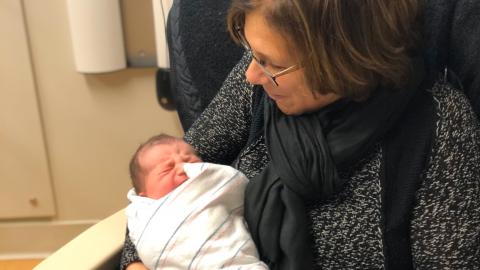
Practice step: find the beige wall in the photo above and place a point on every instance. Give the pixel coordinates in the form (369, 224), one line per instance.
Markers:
(91, 126)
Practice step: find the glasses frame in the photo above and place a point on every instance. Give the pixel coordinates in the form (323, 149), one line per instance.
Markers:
(272, 76)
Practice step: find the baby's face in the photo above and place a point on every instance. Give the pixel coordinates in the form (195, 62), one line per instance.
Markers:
(163, 167)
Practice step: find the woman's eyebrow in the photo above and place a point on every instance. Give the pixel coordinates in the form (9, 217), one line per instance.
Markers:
(266, 58)
(269, 59)
(263, 56)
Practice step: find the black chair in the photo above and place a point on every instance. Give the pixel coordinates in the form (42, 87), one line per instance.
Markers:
(454, 43)
(201, 54)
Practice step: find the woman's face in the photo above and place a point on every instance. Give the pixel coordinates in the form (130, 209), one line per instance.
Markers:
(292, 95)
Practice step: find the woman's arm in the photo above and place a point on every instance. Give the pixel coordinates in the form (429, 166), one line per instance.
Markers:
(136, 266)
(221, 131)
(446, 220)
(130, 259)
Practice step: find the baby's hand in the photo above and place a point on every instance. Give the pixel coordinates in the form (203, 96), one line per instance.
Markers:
(136, 266)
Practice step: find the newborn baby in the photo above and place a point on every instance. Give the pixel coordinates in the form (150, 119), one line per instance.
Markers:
(185, 214)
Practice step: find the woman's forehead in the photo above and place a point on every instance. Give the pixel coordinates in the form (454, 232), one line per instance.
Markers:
(263, 38)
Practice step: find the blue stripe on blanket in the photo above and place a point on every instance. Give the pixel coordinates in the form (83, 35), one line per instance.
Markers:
(159, 206)
(214, 232)
(188, 216)
(150, 219)
(236, 253)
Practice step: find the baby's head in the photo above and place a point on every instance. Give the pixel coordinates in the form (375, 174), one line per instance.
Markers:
(156, 167)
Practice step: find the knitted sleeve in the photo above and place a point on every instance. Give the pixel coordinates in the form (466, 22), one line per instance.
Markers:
(446, 220)
(129, 253)
(221, 131)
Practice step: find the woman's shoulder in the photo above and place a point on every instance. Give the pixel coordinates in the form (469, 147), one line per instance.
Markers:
(454, 112)
(222, 129)
(456, 141)
(446, 215)
(236, 78)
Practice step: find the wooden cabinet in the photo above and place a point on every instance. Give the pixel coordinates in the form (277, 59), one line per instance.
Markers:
(25, 184)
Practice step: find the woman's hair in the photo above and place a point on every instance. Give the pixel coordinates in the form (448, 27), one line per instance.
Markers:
(136, 171)
(348, 47)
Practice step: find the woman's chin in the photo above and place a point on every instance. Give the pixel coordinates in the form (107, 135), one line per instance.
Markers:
(287, 110)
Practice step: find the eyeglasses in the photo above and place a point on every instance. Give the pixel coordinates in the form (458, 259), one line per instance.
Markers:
(272, 76)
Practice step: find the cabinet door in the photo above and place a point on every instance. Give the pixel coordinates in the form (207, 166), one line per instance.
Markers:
(25, 186)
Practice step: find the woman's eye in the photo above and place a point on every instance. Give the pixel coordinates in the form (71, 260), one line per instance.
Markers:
(270, 66)
(262, 62)
(277, 68)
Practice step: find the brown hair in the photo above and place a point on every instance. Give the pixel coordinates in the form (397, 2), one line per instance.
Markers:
(348, 47)
(136, 172)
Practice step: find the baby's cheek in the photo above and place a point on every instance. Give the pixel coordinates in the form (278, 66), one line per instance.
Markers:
(180, 179)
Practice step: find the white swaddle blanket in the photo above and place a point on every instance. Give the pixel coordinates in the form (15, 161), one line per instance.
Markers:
(199, 225)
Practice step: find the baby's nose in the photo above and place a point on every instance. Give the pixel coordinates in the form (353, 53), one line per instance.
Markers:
(179, 168)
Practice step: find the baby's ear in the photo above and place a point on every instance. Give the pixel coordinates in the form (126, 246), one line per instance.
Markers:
(141, 193)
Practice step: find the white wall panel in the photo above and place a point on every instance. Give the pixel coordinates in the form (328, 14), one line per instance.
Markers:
(26, 189)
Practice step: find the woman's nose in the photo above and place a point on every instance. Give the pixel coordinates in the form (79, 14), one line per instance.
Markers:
(255, 74)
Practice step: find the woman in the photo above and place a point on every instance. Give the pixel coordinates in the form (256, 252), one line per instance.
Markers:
(356, 159)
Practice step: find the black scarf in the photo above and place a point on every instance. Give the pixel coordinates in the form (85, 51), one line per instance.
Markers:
(306, 153)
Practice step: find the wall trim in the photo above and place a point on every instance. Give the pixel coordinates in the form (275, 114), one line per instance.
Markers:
(39, 239)
(24, 256)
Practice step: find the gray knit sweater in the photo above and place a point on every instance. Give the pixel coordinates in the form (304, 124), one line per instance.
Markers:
(348, 230)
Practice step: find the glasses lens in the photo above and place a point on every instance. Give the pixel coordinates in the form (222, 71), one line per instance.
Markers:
(265, 71)
(243, 41)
